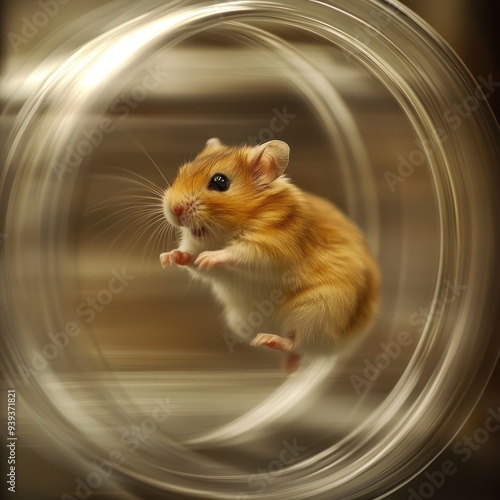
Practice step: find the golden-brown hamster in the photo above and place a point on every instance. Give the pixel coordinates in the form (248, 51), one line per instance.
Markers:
(254, 237)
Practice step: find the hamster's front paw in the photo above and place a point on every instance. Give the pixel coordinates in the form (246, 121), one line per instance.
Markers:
(209, 259)
(175, 257)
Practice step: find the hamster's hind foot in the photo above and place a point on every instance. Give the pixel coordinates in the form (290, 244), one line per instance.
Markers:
(285, 344)
(274, 342)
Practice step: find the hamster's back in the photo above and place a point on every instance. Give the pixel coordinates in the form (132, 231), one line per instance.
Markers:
(340, 275)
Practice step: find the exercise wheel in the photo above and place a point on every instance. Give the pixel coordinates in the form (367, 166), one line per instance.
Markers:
(127, 370)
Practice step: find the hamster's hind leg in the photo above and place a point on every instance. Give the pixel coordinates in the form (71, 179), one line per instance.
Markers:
(291, 362)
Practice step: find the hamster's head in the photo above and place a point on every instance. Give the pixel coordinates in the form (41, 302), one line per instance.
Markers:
(223, 187)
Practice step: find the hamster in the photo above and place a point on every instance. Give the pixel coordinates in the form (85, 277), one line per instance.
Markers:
(256, 238)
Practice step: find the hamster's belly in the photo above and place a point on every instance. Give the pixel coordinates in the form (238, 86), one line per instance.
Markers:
(251, 306)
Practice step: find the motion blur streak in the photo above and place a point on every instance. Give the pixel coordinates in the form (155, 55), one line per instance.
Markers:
(120, 363)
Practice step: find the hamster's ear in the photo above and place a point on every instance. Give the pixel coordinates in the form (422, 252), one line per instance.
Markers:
(269, 160)
(213, 143)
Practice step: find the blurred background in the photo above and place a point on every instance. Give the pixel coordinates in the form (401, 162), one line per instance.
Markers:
(163, 335)
(469, 27)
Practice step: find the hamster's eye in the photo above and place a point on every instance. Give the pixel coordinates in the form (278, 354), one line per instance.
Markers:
(219, 182)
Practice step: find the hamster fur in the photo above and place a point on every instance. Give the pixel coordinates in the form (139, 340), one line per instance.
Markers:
(252, 235)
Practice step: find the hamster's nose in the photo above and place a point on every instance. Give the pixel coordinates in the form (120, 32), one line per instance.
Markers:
(177, 209)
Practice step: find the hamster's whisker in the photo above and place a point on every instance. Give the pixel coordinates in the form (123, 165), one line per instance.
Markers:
(138, 180)
(129, 212)
(132, 209)
(133, 216)
(168, 234)
(160, 238)
(155, 190)
(135, 220)
(131, 177)
(149, 157)
(131, 193)
(135, 231)
(153, 239)
(133, 188)
(132, 200)
(154, 207)
(138, 235)
(134, 213)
